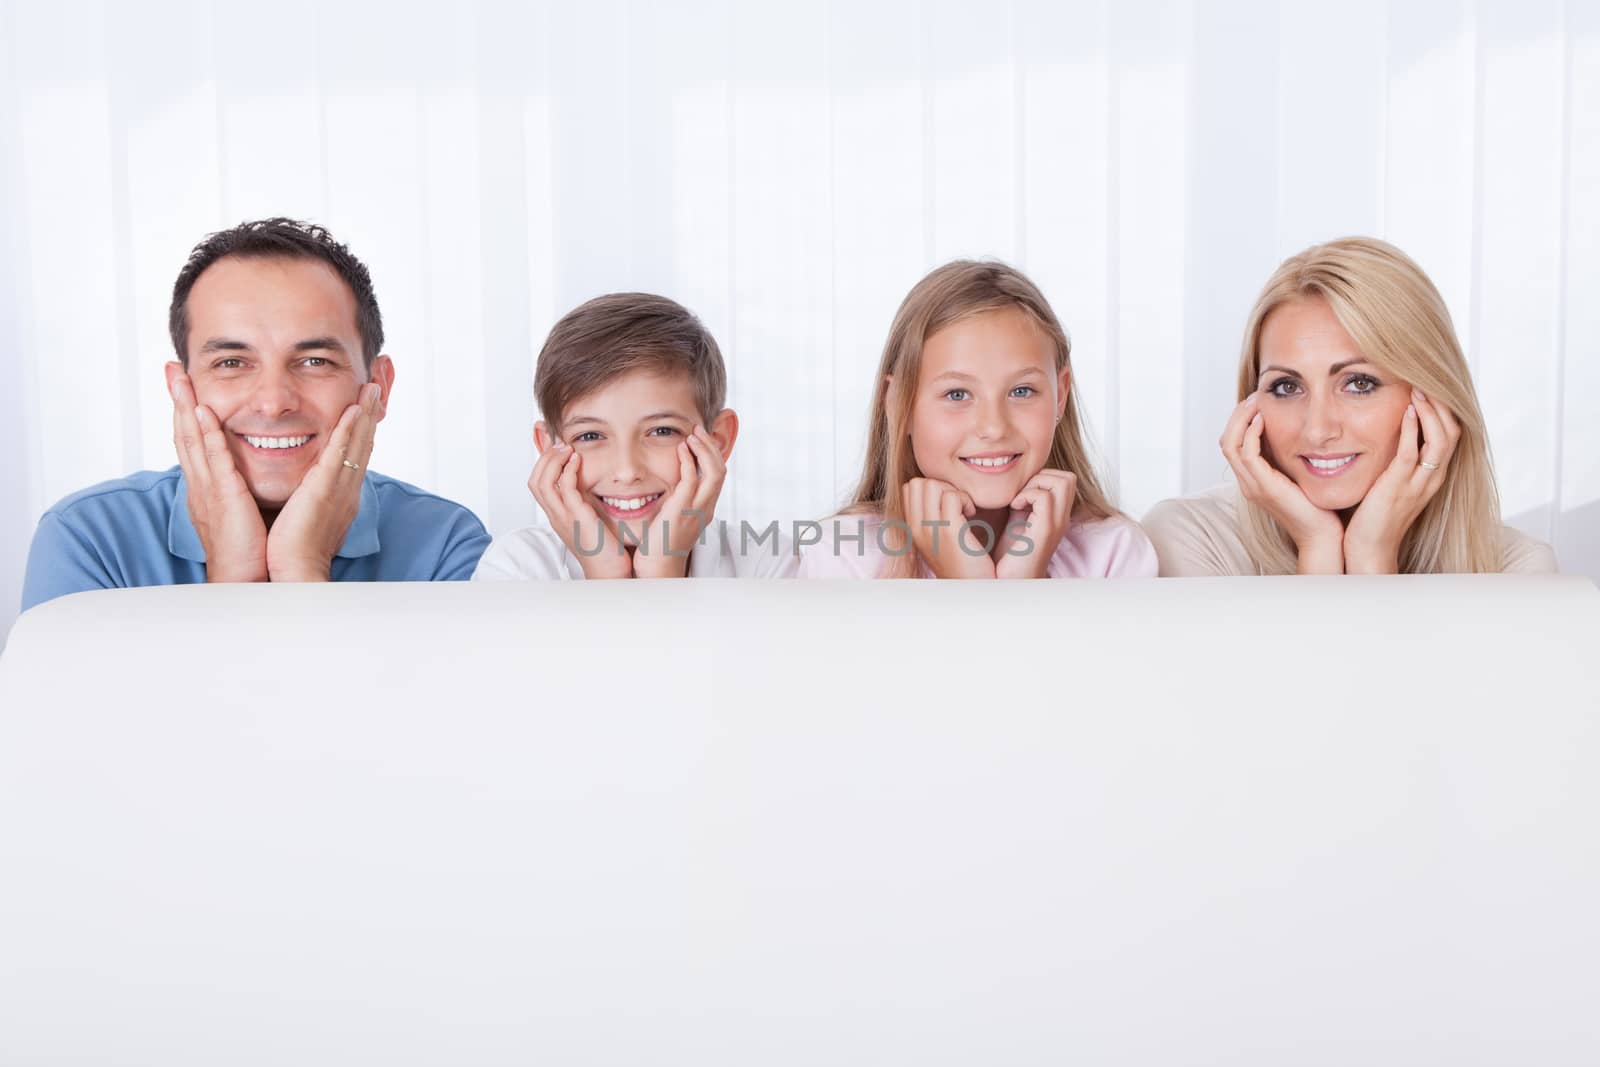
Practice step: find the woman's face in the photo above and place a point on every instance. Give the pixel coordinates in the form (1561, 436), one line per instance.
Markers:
(1330, 418)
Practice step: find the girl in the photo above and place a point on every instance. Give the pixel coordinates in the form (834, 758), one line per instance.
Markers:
(1357, 445)
(976, 465)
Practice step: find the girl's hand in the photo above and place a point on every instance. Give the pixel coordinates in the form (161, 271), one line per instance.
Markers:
(1372, 540)
(1317, 534)
(935, 511)
(671, 535)
(1040, 514)
(554, 484)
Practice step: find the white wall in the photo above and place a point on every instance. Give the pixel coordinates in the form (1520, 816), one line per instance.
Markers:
(788, 171)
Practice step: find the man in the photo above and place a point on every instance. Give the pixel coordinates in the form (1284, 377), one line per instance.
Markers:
(277, 391)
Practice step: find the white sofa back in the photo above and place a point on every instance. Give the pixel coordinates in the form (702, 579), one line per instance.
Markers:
(1249, 821)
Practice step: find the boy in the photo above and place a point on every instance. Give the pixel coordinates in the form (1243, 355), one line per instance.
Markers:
(633, 450)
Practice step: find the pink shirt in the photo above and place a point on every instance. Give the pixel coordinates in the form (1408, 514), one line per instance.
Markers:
(1099, 548)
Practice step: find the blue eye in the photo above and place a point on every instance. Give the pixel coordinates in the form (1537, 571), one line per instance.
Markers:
(957, 395)
(1022, 392)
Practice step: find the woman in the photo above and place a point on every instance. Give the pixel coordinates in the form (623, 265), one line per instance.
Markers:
(1357, 445)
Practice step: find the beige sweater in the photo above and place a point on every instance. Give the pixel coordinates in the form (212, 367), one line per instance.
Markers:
(1199, 535)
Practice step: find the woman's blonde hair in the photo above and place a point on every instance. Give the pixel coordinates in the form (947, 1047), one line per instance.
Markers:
(1400, 324)
(952, 292)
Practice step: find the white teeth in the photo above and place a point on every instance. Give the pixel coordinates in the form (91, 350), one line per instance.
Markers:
(629, 503)
(1329, 464)
(992, 461)
(277, 442)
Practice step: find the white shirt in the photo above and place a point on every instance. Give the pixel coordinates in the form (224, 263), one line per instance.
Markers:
(537, 553)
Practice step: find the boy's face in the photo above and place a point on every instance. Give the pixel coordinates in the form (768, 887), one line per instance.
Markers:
(627, 435)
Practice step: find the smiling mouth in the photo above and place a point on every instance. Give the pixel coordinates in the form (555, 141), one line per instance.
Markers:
(281, 446)
(992, 464)
(1329, 466)
(629, 507)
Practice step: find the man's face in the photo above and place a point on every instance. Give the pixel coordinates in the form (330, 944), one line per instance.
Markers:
(274, 352)
(627, 434)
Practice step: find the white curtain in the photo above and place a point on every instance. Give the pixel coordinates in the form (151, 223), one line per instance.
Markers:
(788, 171)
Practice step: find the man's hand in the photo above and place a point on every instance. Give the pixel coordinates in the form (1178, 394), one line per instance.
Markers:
(936, 511)
(1413, 477)
(309, 530)
(671, 535)
(221, 508)
(1040, 513)
(554, 484)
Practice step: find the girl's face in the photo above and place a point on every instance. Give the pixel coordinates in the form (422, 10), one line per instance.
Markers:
(988, 397)
(1331, 419)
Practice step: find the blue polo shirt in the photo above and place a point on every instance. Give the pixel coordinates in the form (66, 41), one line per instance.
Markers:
(136, 531)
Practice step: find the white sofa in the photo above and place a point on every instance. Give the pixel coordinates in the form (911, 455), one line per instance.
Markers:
(1243, 821)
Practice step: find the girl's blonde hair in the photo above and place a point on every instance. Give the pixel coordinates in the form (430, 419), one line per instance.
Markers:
(952, 292)
(1400, 324)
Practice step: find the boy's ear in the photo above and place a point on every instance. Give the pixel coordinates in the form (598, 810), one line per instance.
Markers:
(724, 430)
(544, 438)
(1063, 384)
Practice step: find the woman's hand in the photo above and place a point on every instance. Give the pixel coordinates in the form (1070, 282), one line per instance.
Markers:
(936, 511)
(1318, 534)
(1041, 514)
(1372, 540)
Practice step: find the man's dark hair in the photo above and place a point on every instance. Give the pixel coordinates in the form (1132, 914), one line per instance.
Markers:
(278, 238)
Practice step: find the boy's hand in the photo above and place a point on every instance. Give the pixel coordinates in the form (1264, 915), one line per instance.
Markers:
(312, 525)
(1041, 513)
(554, 484)
(224, 514)
(672, 534)
(936, 511)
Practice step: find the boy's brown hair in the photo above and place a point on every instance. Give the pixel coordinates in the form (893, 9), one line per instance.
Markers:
(597, 342)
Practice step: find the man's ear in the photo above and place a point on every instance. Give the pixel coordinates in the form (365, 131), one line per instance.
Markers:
(1063, 385)
(724, 430)
(173, 370)
(544, 438)
(382, 372)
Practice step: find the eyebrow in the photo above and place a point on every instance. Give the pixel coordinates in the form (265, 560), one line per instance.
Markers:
(1335, 369)
(575, 419)
(959, 376)
(310, 344)
(314, 343)
(224, 344)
